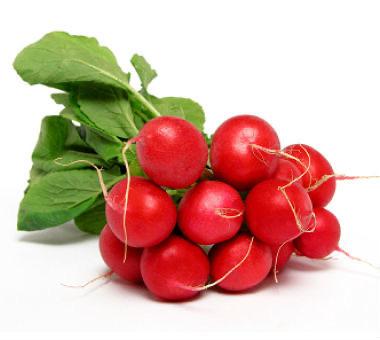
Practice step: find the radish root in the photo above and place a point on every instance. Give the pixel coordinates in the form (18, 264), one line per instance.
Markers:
(212, 284)
(229, 213)
(283, 154)
(356, 258)
(279, 153)
(106, 275)
(325, 178)
(125, 160)
(98, 171)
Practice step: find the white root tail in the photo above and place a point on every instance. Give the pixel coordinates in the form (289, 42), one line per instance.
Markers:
(106, 275)
(125, 160)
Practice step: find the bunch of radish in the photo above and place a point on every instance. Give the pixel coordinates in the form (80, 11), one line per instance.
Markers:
(190, 213)
(252, 202)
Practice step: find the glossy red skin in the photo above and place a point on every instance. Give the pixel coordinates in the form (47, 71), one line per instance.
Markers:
(284, 255)
(324, 240)
(269, 215)
(112, 251)
(319, 166)
(168, 268)
(287, 171)
(171, 151)
(198, 215)
(232, 158)
(228, 254)
(151, 214)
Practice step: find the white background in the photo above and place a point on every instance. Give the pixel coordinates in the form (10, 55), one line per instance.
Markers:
(311, 68)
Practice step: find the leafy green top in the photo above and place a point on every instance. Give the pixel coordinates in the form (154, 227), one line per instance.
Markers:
(101, 111)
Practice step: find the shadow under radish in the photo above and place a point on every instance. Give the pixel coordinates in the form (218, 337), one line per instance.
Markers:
(67, 233)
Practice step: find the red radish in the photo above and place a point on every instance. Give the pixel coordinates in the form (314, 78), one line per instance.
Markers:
(169, 268)
(318, 167)
(112, 251)
(171, 151)
(274, 218)
(233, 157)
(150, 215)
(250, 273)
(211, 212)
(324, 239)
(287, 171)
(283, 256)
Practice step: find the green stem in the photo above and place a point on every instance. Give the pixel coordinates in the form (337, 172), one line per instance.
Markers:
(126, 86)
(142, 100)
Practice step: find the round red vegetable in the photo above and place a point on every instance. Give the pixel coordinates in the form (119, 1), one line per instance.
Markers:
(233, 158)
(151, 214)
(324, 239)
(319, 166)
(112, 251)
(284, 255)
(171, 151)
(287, 171)
(173, 268)
(224, 256)
(211, 212)
(269, 215)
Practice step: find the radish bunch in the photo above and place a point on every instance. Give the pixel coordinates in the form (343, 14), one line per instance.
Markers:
(255, 205)
(166, 191)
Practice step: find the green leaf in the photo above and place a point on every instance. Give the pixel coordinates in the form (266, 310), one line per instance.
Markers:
(108, 147)
(59, 197)
(35, 174)
(93, 220)
(59, 138)
(208, 138)
(61, 98)
(109, 109)
(72, 110)
(65, 61)
(61, 60)
(180, 107)
(144, 70)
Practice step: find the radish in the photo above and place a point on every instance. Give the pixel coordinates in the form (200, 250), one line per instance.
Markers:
(211, 212)
(283, 255)
(324, 239)
(321, 192)
(150, 215)
(112, 251)
(287, 171)
(171, 151)
(226, 255)
(277, 212)
(233, 156)
(170, 268)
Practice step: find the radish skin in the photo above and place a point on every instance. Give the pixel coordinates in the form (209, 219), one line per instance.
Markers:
(234, 160)
(173, 267)
(318, 166)
(112, 252)
(211, 212)
(171, 151)
(150, 216)
(287, 171)
(269, 215)
(250, 273)
(324, 239)
(283, 256)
